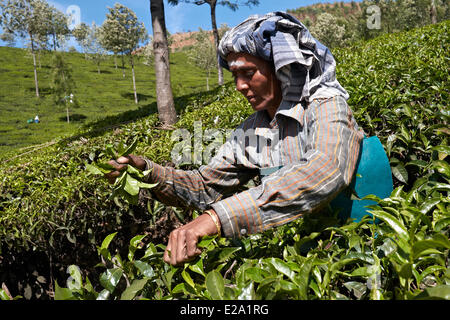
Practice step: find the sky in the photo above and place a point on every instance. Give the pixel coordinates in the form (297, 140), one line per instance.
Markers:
(181, 18)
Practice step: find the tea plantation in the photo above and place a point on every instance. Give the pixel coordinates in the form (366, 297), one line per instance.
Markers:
(97, 95)
(56, 220)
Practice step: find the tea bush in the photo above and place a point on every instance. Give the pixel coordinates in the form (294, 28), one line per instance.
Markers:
(52, 195)
(399, 91)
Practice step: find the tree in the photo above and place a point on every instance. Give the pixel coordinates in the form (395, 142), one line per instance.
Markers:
(81, 32)
(62, 83)
(57, 26)
(26, 19)
(203, 53)
(398, 15)
(94, 48)
(164, 96)
(212, 4)
(123, 32)
(328, 31)
(148, 54)
(433, 12)
(8, 38)
(114, 37)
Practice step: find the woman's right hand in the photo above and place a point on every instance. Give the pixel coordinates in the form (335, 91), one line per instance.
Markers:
(121, 164)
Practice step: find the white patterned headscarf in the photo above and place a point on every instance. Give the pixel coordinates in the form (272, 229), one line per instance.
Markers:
(305, 67)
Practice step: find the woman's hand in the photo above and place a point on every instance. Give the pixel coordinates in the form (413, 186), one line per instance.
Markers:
(121, 164)
(182, 246)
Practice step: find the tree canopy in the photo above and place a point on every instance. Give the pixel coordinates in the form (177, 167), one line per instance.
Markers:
(233, 5)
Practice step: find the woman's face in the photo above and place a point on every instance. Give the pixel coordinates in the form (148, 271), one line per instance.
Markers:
(255, 78)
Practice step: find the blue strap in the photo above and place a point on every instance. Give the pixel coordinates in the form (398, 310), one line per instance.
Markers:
(267, 171)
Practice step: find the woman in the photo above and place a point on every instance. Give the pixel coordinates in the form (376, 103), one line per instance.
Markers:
(307, 141)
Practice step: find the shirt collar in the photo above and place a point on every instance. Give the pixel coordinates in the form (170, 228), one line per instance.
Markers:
(263, 124)
(291, 109)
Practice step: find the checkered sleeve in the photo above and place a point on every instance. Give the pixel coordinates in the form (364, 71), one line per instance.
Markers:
(199, 188)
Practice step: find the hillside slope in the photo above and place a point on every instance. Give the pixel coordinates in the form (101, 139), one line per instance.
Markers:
(98, 95)
(308, 14)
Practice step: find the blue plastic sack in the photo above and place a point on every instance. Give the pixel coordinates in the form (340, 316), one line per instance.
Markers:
(373, 175)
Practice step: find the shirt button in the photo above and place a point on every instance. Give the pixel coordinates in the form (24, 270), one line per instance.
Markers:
(243, 231)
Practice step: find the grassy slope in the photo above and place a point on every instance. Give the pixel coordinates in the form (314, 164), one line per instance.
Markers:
(99, 95)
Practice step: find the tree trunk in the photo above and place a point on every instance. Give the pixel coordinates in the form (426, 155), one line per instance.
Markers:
(213, 4)
(35, 67)
(123, 67)
(54, 42)
(115, 60)
(164, 95)
(433, 12)
(65, 99)
(134, 80)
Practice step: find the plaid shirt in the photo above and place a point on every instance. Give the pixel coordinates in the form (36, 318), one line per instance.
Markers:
(316, 145)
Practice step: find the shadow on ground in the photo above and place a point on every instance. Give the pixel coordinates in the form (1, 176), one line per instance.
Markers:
(76, 117)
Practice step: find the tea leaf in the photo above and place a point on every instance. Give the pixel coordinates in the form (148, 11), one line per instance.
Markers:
(63, 293)
(441, 224)
(438, 292)
(205, 241)
(134, 245)
(109, 149)
(110, 278)
(93, 169)
(74, 282)
(358, 288)
(131, 185)
(282, 267)
(135, 287)
(422, 246)
(105, 167)
(107, 240)
(393, 222)
(215, 285)
(103, 250)
(442, 149)
(103, 295)
(198, 267)
(247, 293)
(256, 274)
(145, 269)
(400, 173)
(130, 148)
(302, 280)
(429, 204)
(188, 278)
